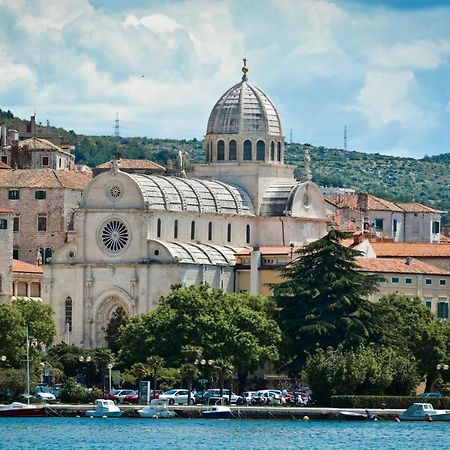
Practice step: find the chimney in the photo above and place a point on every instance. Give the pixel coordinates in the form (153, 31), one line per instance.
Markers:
(117, 156)
(363, 201)
(409, 260)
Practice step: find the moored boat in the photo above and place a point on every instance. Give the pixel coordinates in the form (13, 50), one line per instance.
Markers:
(218, 412)
(104, 408)
(425, 412)
(17, 409)
(158, 409)
(353, 415)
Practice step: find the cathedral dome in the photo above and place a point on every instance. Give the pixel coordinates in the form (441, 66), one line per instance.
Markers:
(244, 109)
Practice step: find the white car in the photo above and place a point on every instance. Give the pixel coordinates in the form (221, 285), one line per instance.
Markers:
(225, 395)
(43, 393)
(175, 396)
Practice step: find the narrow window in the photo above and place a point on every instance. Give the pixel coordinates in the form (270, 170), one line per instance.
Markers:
(69, 314)
(14, 194)
(40, 195)
(272, 151)
(42, 223)
(247, 150)
(192, 230)
(232, 151)
(428, 302)
(5, 159)
(207, 153)
(394, 226)
(1, 284)
(47, 256)
(220, 150)
(158, 228)
(3, 224)
(260, 150)
(436, 227)
(45, 161)
(378, 224)
(210, 231)
(442, 308)
(279, 151)
(175, 229)
(16, 224)
(15, 253)
(229, 233)
(247, 234)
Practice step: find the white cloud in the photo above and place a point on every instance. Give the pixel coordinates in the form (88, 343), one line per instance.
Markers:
(158, 23)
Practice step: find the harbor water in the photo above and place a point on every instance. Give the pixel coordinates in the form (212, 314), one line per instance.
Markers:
(192, 434)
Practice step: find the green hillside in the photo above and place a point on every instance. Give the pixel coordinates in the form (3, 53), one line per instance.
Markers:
(402, 179)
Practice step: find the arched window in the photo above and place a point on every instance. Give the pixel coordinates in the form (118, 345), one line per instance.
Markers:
(260, 151)
(279, 151)
(272, 151)
(247, 150)
(192, 230)
(220, 150)
(229, 233)
(247, 234)
(210, 231)
(207, 153)
(175, 229)
(68, 311)
(158, 228)
(48, 256)
(232, 153)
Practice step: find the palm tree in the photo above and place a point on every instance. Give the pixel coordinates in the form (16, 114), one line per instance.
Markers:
(156, 363)
(224, 369)
(193, 354)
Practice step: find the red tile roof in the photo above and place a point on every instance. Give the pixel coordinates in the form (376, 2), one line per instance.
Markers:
(5, 211)
(415, 207)
(415, 249)
(24, 267)
(133, 164)
(395, 265)
(43, 178)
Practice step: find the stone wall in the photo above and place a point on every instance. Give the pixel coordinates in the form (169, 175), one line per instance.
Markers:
(6, 246)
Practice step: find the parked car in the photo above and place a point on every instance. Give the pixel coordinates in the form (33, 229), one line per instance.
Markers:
(212, 395)
(246, 398)
(267, 397)
(118, 395)
(175, 396)
(43, 393)
(134, 397)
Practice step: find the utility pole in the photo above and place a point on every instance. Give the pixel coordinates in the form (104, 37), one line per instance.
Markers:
(117, 127)
(290, 136)
(345, 137)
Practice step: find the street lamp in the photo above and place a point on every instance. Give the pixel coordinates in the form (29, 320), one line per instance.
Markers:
(84, 368)
(203, 362)
(110, 366)
(42, 366)
(444, 369)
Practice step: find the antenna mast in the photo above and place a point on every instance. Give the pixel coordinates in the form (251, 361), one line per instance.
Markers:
(117, 127)
(345, 137)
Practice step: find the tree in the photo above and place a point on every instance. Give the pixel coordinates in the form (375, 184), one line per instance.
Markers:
(118, 319)
(240, 328)
(156, 363)
(323, 300)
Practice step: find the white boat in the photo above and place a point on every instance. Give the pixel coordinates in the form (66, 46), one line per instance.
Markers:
(104, 408)
(353, 415)
(425, 412)
(217, 412)
(158, 409)
(17, 409)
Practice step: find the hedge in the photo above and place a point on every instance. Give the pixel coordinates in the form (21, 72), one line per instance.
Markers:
(386, 401)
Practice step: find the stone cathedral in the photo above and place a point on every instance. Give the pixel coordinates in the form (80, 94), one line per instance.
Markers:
(136, 235)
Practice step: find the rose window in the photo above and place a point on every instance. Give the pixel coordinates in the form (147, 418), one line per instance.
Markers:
(115, 191)
(114, 235)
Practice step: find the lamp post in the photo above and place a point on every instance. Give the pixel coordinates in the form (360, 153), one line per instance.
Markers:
(110, 366)
(203, 362)
(84, 367)
(444, 369)
(42, 367)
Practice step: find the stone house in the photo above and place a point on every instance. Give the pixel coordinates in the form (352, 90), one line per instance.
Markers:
(6, 245)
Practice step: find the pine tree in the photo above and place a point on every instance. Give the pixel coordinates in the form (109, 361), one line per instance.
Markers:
(323, 300)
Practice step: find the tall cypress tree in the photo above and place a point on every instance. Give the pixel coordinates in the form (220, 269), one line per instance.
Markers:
(323, 300)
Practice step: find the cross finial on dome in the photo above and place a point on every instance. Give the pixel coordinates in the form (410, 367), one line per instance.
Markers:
(244, 70)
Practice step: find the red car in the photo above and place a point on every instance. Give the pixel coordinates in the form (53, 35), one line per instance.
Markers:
(118, 395)
(134, 397)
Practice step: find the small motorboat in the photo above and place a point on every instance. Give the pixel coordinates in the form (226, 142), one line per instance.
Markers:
(17, 409)
(217, 412)
(158, 409)
(353, 415)
(425, 412)
(104, 408)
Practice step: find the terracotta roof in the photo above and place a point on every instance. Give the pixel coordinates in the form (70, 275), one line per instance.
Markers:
(415, 249)
(415, 207)
(351, 201)
(36, 143)
(23, 267)
(43, 178)
(5, 211)
(395, 265)
(4, 166)
(133, 164)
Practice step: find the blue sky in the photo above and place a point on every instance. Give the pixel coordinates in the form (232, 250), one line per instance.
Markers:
(381, 68)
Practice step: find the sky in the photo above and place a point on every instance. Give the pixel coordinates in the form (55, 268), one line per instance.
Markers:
(379, 68)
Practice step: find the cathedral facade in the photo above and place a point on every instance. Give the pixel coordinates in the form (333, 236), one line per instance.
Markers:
(136, 235)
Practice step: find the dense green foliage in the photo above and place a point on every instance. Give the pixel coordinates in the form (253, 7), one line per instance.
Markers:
(366, 370)
(322, 300)
(387, 401)
(118, 319)
(74, 393)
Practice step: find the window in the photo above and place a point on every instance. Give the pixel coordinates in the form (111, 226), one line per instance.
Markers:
(279, 151)
(207, 154)
(16, 224)
(40, 195)
(14, 194)
(3, 224)
(378, 224)
(229, 233)
(247, 234)
(210, 231)
(395, 280)
(436, 227)
(175, 229)
(220, 151)
(158, 228)
(442, 282)
(272, 151)
(232, 153)
(415, 227)
(247, 150)
(45, 161)
(15, 253)
(442, 308)
(394, 226)
(4, 159)
(260, 151)
(47, 256)
(192, 230)
(382, 279)
(42, 223)
(428, 281)
(428, 302)
(68, 311)
(408, 280)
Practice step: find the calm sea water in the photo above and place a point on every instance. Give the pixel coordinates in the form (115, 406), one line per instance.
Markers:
(85, 433)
